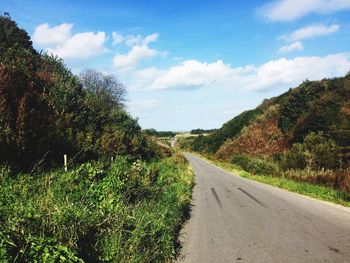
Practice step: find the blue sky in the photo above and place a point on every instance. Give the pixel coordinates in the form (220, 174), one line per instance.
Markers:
(194, 64)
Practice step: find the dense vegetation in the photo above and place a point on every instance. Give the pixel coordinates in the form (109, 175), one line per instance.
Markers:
(303, 134)
(121, 212)
(214, 140)
(202, 131)
(128, 209)
(46, 111)
(153, 132)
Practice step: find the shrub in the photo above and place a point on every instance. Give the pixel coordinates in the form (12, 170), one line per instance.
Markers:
(324, 177)
(255, 165)
(295, 158)
(5, 172)
(316, 152)
(241, 160)
(339, 179)
(342, 180)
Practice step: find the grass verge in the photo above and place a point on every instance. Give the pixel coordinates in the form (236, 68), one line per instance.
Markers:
(98, 212)
(316, 191)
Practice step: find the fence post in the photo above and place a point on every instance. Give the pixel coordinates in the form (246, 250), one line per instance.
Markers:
(65, 162)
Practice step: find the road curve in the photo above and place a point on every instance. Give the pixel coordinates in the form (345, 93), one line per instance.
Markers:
(234, 219)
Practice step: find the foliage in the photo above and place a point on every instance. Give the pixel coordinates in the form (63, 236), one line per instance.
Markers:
(231, 129)
(153, 132)
(262, 137)
(13, 37)
(298, 103)
(46, 111)
(339, 179)
(201, 131)
(255, 165)
(126, 211)
(317, 152)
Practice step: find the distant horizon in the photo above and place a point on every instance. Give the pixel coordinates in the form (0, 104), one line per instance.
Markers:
(186, 65)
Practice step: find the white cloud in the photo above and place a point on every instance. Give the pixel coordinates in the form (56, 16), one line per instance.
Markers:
(117, 38)
(144, 77)
(273, 74)
(192, 73)
(291, 47)
(138, 40)
(310, 32)
(132, 40)
(139, 51)
(81, 46)
(129, 60)
(59, 41)
(56, 35)
(288, 10)
(150, 38)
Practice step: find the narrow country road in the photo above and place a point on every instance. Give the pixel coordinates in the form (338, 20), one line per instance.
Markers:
(234, 219)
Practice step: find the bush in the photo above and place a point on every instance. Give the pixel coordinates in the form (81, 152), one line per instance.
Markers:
(339, 179)
(295, 158)
(241, 160)
(255, 165)
(316, 152)
(342, 180)
(5, 172)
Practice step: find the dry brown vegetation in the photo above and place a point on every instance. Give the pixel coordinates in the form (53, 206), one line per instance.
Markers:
(260, 138)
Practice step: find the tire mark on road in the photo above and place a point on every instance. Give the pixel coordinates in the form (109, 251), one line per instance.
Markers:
(252, 197)
(216, 197)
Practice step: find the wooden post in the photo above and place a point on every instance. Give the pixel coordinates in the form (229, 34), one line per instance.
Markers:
(65, 162)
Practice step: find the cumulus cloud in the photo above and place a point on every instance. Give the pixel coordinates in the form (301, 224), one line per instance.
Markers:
(288, 10)
(46, 35)
(291, 47)
(139, 50)
(192, 73)
(81, 46)
(275, 73)
(284, 72)
(60, 41)
(144, 77)
(310, 31)
(129, 60)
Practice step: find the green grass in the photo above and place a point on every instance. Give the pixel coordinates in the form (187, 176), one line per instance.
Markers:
(123, 212)
(316, 191)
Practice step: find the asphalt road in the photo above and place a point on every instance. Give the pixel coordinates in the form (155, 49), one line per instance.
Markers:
(234, 219)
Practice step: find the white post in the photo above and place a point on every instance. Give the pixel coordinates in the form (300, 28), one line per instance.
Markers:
(112, 159)
(65, 162)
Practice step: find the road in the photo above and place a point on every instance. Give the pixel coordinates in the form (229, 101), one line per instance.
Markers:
(234, 219)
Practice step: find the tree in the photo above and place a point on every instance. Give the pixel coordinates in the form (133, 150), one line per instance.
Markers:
(11, 36)
(110, 92)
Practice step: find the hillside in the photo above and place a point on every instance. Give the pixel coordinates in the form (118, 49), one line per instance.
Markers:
(214, 140)
(307, 127)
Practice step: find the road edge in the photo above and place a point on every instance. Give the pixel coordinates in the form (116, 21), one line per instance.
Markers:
(338, 206)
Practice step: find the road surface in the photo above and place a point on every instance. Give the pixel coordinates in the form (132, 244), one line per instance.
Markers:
(234, 219)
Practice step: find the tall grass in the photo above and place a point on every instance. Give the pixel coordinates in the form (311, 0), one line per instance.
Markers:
(126, 212)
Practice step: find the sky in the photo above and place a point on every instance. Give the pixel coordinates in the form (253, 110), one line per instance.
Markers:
(193, 64)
